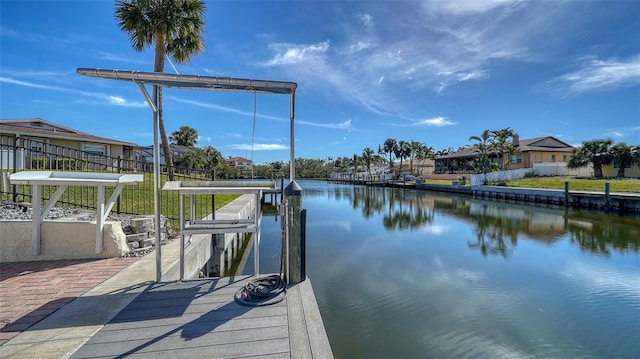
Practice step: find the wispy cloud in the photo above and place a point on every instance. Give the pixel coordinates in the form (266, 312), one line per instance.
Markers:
(119, 101)
(258, 147)
(597, 75)
(467, 7)
(97, 97)
(346, 125)
(117, 58)
(226, 109)
(431, 122)
(412, 49)
(288, 54)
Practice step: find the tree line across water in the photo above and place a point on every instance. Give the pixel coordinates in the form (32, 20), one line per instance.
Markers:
(489, 144)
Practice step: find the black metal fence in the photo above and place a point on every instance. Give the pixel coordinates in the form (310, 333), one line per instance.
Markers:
(24, 154)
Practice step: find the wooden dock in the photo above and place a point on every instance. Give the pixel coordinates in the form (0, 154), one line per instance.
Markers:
(199, 318)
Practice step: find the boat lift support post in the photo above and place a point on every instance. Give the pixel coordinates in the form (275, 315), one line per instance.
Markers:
(194, 82)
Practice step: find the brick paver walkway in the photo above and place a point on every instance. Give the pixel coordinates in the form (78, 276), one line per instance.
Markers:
(30, 291)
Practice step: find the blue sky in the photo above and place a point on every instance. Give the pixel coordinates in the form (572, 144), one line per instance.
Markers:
(430, 71)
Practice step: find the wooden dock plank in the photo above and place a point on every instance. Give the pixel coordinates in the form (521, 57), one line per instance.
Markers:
(300, 347)
(176, 342)
(201, 319)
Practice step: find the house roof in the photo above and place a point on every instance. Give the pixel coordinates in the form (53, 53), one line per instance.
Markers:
(38, 127)
(545, 143)
(238, 159)
(537, 144)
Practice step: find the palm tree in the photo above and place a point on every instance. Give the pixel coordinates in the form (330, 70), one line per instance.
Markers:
(415, 148)
(355, 161)
(368, 157)
(186, 136)
(214, 157)
(390, 146)
(424, 153)
(499, 142)
(174, 28)
(482, 148)
(511, 151)
(596, 152)
(623, 156)
(402, 151)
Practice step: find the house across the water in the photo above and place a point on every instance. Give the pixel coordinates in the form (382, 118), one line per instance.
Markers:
(546, 149)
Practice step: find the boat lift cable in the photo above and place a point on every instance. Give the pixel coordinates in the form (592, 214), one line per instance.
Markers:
(266, 290)
(253, 130)
(270, 289)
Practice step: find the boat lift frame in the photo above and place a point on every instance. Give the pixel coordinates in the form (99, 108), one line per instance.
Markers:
(193, 82)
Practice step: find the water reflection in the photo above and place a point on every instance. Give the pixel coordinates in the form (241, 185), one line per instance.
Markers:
(497, 225)
(397, 274)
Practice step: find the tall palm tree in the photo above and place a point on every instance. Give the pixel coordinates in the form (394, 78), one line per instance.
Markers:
(597, 152)
(424, 153)
(174, 28)
(403, 150)
(390, 146)
(368, 157)
(499, 141)
(482, 149)
(355, 161)
(415, 148)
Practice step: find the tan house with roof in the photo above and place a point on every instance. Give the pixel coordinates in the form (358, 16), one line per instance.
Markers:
(547, 149)
(240, 163)
(43, 144)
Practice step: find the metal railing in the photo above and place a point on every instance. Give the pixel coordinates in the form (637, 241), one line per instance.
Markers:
(24, 154)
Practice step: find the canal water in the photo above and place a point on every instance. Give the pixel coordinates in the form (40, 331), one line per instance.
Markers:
(417, 274)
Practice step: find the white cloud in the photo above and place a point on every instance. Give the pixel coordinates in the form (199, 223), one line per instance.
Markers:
(598, 75)
(119, 101)
(98, 98)
(226, 109)
(433, 122)
(359, 46)
(366, 18)
(288, 54)
(414, 48)
(466, 7)
(258, 147)
(346, 125)
(117, 58)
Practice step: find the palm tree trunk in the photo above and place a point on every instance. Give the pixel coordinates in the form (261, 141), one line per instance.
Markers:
(597, 170)
(168, 160)
(158, 66)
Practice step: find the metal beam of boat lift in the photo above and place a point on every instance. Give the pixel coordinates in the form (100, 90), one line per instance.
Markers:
(63, 180)
(193, 82)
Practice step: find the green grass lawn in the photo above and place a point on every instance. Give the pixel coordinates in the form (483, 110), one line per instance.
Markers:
(575, 184)
(578, 184)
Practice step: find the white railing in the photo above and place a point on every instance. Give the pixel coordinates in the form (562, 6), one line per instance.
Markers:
(560, 169)
(480, 179)
(539, 169)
